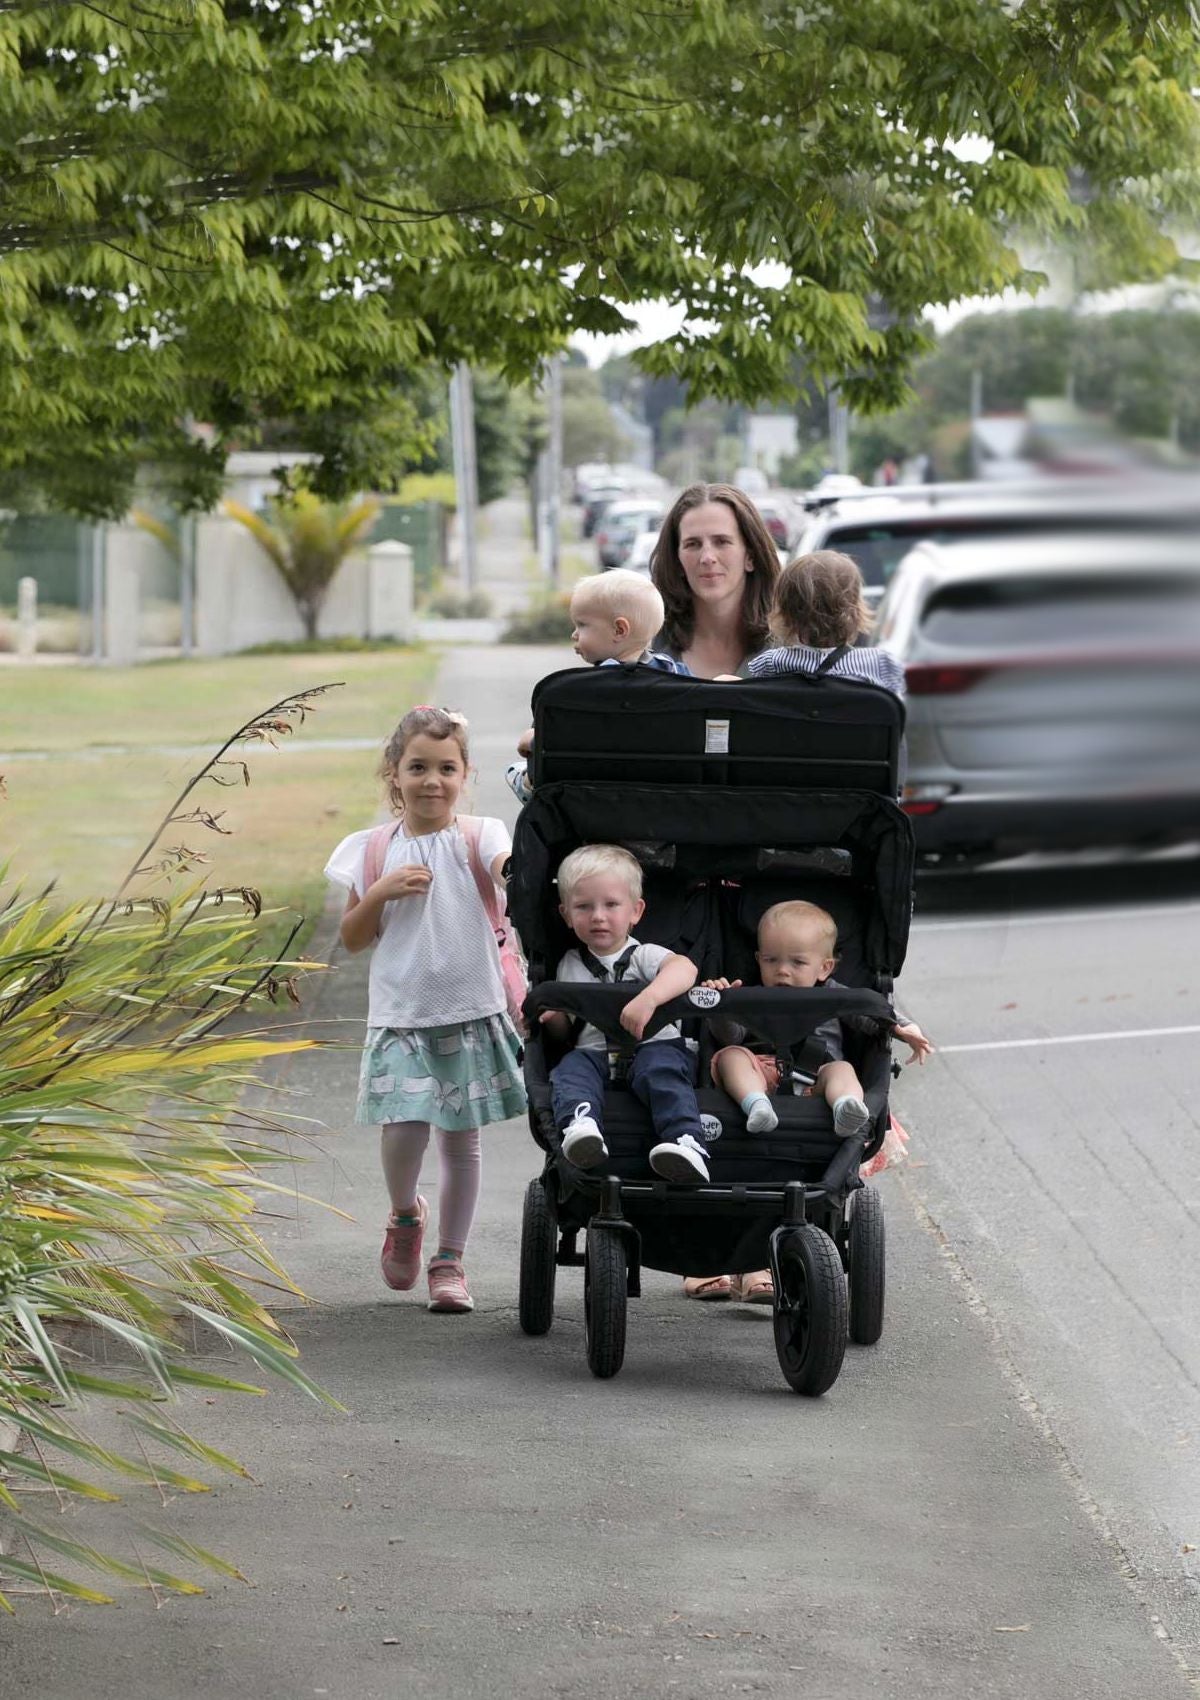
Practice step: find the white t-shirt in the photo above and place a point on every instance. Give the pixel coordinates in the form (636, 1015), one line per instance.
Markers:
(644, 964)
(436, 960)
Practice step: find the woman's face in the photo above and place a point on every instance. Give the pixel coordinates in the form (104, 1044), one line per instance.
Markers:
(714, 559)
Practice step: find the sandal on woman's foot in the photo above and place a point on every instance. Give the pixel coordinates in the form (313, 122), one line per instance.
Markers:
(756, 1288)
(707, 1286)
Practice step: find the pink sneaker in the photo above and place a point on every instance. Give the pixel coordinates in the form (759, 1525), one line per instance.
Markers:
(400, 1258)
(448, 1286)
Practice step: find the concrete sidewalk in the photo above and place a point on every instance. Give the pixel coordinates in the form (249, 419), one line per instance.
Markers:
(488, 1520)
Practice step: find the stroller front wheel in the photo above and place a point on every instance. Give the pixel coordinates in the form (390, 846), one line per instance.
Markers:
(867, 1257)
(604, 1294)
(539, 1231)
(810, 1311)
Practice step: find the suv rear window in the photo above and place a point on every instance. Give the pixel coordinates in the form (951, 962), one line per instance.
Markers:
(1048, 610)
(879, 547)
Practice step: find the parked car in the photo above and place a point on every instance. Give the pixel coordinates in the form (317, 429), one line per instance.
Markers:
(878, 527)
(779, 518)
(598, 501)
(640, 551)
(620, 523)
(1054, 691)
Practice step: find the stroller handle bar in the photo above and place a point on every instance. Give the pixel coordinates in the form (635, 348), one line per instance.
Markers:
(785, 1015)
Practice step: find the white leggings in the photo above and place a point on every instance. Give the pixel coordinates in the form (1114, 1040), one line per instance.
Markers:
(402, 1148)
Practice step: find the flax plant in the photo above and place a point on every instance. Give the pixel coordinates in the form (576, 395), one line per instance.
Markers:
(133, 1174)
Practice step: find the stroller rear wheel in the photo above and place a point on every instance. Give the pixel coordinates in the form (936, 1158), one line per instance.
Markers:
(867, 1255)
(604, 1294)
(810, 1311)
(539, 1231)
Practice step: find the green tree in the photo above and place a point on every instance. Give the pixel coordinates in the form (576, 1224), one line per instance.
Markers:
(589, 430)
(307, 540)
(236, 212)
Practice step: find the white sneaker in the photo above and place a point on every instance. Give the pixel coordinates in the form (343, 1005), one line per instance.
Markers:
(680, 1160)
(583, 1143)
(850, 1118)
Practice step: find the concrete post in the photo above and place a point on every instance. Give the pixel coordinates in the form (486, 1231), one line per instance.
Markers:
(27, 597)
(121, 599)
(390, 612)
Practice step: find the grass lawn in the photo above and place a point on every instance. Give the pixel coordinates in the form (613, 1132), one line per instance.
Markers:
(80, 814)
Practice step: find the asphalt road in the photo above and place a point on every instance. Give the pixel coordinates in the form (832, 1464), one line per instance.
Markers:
(993, 1502)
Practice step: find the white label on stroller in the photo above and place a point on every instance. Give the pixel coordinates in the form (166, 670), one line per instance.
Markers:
(711, 1128)
(704, 997)
(716, 737)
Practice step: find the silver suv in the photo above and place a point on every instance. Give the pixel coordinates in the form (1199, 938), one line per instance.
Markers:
(878, 527)
(1054, 691)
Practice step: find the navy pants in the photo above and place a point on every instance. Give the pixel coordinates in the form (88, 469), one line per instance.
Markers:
(662, 1075)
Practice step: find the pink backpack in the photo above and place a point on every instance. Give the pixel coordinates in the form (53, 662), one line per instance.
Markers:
(512, 965)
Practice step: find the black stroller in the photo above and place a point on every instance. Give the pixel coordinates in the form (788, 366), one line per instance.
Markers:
(732, 796)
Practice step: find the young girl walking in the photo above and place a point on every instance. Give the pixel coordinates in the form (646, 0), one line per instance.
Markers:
(441, 1050)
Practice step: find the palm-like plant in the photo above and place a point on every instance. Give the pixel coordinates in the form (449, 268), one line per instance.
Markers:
(130, 1175)
(308, 540)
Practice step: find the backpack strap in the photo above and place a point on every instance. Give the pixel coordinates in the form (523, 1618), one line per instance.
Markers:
(375, 853)
(471, 826)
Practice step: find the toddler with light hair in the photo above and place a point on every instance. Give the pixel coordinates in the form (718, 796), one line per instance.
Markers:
(614, 617)
(600, 899)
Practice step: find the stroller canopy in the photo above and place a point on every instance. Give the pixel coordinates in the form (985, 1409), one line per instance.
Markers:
(732, 796)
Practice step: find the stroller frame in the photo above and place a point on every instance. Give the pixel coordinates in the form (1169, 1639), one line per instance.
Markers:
(732, 797)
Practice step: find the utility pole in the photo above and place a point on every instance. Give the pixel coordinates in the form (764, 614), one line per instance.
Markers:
(839, 432)
(466, 481)
(549, 473)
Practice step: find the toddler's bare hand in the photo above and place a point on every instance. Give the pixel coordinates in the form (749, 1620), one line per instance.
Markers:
(721, 984)
(919, 1046)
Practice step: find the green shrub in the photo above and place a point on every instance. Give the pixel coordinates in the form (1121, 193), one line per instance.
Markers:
(545, 621)
(130, 1176)
(451, 604)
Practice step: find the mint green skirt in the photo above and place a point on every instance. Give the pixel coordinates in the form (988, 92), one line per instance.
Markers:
(457, 1077)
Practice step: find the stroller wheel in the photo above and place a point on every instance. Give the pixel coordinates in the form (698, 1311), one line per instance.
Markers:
(604, 1294)
(810, 1311)
(539, 1230)
(867, 1266)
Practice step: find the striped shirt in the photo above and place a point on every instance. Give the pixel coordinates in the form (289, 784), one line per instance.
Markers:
(652, 658)
(872, 666)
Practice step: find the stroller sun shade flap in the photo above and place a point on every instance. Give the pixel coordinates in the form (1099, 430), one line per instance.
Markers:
(638, 725)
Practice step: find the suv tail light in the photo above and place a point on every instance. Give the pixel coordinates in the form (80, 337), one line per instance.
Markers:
(939, 679)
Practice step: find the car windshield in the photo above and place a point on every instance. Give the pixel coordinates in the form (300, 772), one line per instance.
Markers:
(880, 546)
(1054, 611)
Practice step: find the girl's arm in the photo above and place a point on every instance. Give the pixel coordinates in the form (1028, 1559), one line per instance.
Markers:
(498, 865)
(676, 976)
(362, 915)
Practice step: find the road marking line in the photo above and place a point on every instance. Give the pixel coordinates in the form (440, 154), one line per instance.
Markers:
(1067, 1039)
(1088, 915)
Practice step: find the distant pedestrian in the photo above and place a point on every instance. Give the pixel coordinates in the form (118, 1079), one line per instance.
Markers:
(424, 895)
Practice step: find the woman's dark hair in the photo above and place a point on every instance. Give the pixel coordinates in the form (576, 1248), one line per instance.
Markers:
(668, 575)
(819, 601)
